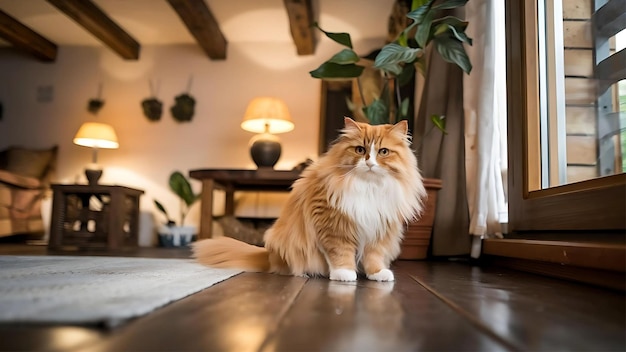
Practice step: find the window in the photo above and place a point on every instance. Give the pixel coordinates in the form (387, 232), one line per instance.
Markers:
(566, 183)
(579, 51)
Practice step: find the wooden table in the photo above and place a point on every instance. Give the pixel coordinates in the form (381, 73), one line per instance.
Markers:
(94, 217)
(264, 180)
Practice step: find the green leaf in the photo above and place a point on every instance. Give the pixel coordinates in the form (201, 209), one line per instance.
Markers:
(332, 70)
(392, 55)
(453, 51)
(422, 34)
(377, 112)
(453, 21)
(345, 56)
(440, 122)
(181, 187)
(420, 13)
(417, 3)
(450, 4)
(461, 35)
(162, 209)
(341, 38)
(440, 30)
(402, 39)
(455, 25)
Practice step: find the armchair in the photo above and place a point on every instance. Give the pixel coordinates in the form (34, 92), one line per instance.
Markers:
(25, 176)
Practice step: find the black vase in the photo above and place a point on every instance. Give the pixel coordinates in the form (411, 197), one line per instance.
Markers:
(93, 175)
(265, 151)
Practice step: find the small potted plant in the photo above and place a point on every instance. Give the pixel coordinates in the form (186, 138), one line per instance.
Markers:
(172, 234)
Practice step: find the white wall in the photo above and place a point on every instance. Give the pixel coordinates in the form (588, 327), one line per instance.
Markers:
(150, 151)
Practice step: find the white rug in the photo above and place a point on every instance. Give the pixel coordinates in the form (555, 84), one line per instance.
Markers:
(96, 290)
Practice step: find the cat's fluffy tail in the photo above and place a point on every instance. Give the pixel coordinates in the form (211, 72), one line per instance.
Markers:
(225, 252)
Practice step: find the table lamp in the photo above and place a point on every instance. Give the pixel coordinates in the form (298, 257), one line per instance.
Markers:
(266, 116)
(96, 136)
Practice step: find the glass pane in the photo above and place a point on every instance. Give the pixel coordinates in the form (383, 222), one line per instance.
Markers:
(582, 101)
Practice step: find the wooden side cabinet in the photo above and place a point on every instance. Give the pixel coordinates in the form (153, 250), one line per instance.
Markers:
(260, 180)
(94, 217)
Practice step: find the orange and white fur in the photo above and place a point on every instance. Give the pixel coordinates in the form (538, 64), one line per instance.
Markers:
(346, 213)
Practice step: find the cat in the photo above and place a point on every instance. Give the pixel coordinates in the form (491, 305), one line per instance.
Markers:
(345, 214)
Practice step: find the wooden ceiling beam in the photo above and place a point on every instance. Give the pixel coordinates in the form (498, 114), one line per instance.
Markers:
(25, 39)
(94, 20)
(202, 25)
(300, 13)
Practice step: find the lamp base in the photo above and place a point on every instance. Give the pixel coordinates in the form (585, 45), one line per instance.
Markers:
(265, 150)
(93, 176)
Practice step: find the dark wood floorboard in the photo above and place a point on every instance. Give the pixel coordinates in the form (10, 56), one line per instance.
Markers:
(235, 315)
(373, 316)
(534, 313)
(48, 338)
(432, 305)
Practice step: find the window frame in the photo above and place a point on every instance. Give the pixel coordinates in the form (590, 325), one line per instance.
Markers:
(597, 204)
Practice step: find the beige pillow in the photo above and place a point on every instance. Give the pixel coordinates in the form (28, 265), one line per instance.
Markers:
(30, 162)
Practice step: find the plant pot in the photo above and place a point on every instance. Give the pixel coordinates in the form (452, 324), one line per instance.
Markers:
(176, 236)
(418, 233)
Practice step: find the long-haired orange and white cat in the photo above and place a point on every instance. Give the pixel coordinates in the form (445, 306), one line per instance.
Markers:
(346, 213)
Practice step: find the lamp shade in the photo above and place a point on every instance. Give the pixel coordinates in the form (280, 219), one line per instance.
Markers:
(96, 135)
(266, 114)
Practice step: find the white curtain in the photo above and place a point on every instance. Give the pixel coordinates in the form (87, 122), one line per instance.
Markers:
(484, 104)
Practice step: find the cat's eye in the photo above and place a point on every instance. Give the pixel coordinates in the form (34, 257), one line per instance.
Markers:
(360, 150)
(383, 152)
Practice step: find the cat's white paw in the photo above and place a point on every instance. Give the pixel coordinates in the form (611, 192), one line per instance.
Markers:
(383, 275)
(343, 275)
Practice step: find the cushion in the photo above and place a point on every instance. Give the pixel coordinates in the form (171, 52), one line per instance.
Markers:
(19, 180)
(30, 162)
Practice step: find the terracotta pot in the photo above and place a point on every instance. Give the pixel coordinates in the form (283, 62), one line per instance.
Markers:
(418, 233)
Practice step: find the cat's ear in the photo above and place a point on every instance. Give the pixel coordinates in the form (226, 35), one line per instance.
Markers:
(350, 124)
(401, 127)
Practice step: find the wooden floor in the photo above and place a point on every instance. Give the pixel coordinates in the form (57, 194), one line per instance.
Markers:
(442, 305)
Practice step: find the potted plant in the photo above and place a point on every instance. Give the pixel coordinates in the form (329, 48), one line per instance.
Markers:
(397, 62)
(172, 234)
